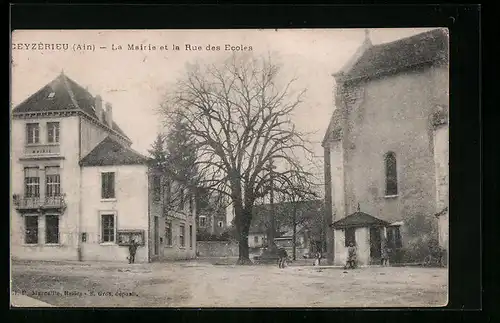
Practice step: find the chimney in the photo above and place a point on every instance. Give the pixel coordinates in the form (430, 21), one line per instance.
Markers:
(98, 107)
(109, 114)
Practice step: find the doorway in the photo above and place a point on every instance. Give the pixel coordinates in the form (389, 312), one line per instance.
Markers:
(375, 245)
(156, 236)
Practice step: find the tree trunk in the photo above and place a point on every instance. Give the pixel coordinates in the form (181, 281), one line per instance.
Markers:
(243, 218)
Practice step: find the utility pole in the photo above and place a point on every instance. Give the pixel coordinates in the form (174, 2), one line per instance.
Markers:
(271, 228)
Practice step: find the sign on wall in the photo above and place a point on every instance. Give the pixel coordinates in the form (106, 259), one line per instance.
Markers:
(125, 237)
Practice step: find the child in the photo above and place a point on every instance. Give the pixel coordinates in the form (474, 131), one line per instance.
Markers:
(283, 255)
(317, 261)
(351, 257)
(385, 254)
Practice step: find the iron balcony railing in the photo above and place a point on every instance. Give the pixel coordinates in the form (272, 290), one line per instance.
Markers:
(38, 202)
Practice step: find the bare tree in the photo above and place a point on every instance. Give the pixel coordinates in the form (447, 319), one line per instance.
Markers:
(299, 207)
(240, 119)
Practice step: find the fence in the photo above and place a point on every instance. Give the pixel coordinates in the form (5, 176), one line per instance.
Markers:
(217, 248)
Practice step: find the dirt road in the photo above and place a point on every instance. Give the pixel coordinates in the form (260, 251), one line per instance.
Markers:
(200, 284)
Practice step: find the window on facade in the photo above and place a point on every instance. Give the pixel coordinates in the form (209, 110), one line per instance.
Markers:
(31, 182)
(32, 133)
(203, 221)
(107, 228)
(350, 236)
(51, 229)
(182, 198)
(31, 229)
(391, 174)
(182, 234)
(167, 193)
(52, 132)
(394, 237)
(256, 239)
(191, 204)
(168, 233)
(52, 181)
(156, 187)
(220, 224)
(190, 236)
(108, 185)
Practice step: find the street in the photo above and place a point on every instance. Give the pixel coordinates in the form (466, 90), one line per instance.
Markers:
(204, 284)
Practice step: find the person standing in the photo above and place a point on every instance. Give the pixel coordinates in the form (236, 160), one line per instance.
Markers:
(283, 255)
(132, 249)
(384, 260)
(351, 256)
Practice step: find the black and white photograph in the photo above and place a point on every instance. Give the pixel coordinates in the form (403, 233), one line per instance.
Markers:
(229, 168)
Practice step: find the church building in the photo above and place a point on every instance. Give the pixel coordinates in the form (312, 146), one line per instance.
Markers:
(386, 149)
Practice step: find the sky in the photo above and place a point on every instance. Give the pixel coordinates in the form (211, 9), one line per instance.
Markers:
(134, 81)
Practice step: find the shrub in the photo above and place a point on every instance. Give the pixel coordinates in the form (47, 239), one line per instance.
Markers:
(418, 250)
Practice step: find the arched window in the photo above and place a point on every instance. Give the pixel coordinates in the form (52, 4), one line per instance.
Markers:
(391, 174)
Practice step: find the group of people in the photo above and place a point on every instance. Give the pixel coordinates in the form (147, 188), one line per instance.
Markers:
(283, 257)
(351, 263)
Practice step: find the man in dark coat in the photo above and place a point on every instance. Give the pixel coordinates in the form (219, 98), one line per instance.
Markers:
(132, 249)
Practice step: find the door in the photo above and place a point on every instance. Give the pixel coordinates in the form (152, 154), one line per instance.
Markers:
(156, 236)
(375, 245)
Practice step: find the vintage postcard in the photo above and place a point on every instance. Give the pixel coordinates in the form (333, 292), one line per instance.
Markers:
(229, 168)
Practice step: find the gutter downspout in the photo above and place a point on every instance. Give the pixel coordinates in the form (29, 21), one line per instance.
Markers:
(78, 230)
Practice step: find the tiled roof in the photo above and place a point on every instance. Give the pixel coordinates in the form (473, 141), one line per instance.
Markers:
(358, 219)
(388, 58)
(68, 95)
(109, 152)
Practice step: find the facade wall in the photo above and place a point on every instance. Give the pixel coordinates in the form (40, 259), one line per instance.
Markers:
(92, 134)
(340, 249)
(441, 156)
(217, 248)
(130, 208)
(174, 250)
(394, 114)
(362, 236)
(260, 237)
(70, 179)
(212, 221)
(337, 175)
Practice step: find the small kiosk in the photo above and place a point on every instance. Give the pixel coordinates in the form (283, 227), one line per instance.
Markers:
(365, 231)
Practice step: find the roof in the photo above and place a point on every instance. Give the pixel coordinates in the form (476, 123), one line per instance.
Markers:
(334, 130)
(388, 58)
(68, 95)
(110, 152)
(359, 219)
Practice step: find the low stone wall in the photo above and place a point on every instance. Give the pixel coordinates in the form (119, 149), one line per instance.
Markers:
(217, 249)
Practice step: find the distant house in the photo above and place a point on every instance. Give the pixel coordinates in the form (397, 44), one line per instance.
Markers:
(79, 191)
(309, 216)
(386, 146)
(211, 215)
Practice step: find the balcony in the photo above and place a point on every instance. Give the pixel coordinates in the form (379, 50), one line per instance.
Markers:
(27, 203)
(34, 151)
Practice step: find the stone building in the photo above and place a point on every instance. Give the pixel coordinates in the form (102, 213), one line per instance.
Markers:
(79, 191)
(386, 147)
